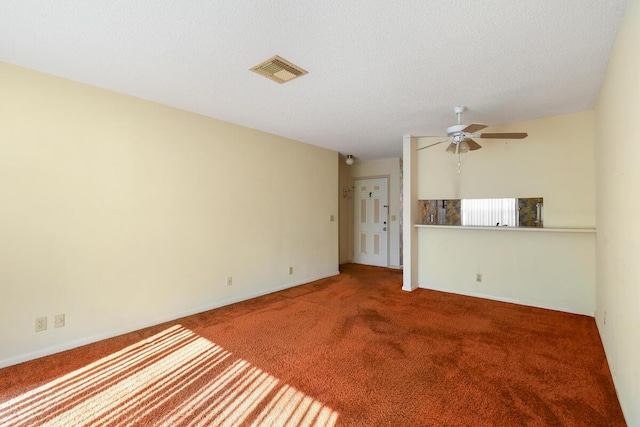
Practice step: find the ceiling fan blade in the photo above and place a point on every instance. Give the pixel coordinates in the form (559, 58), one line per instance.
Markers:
(474, 127)
(431, 145)
(515, 135)
(473, 145)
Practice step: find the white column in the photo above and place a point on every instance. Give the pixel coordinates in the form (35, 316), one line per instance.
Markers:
(409, 213)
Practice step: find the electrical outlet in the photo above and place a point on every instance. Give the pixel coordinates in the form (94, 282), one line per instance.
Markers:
(290, 270)
(229, 281)
(58, 321)
(478, 277)
(41, 324)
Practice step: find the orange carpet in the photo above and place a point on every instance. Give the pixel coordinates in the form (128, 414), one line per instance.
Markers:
(353, 350)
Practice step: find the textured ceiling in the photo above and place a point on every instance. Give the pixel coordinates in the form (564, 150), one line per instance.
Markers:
(378, 69)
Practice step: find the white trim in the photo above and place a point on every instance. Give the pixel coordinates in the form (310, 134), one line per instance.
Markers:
(89, 340)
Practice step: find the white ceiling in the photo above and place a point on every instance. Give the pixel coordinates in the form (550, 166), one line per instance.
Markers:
(378, 69)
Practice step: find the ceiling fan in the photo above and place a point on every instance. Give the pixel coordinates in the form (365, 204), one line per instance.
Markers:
(460, 135)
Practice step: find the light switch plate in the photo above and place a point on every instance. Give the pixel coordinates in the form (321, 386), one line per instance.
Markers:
(58, 321)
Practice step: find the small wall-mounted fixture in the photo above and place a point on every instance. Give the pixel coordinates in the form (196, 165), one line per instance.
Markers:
(349, 160)
(346, 192)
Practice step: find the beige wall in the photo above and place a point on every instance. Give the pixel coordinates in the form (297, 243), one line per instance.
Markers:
(369, 169)
(122, 213)
(540, 269)
(618, 210)
(543, 269)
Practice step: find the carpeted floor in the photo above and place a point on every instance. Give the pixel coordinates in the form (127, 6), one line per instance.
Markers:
(353, 350)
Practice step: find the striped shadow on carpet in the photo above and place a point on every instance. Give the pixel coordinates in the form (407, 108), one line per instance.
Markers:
(172, 378)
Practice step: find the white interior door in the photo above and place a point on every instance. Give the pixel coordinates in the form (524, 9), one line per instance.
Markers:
(370, 221)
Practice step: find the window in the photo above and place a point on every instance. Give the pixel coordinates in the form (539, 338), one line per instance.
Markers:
(490, 212)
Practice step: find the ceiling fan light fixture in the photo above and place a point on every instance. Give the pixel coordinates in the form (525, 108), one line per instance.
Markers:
(451, 148)
(464, 147)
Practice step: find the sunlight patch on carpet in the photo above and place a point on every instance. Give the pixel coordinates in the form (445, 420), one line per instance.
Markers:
(172, 378)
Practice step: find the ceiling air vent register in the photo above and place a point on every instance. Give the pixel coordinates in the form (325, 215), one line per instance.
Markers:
(278, 69)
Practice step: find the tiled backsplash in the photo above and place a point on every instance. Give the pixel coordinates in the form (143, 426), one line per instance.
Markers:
(440, 212)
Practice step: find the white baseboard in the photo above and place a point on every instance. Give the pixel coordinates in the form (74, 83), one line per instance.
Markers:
(99, 337)
(509, 300)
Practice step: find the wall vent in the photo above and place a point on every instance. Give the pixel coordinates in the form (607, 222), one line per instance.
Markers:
(278, 69)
